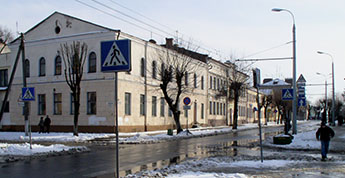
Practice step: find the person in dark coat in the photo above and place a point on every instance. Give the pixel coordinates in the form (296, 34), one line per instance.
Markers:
(41, 125)
(324, 133)
(47, 122)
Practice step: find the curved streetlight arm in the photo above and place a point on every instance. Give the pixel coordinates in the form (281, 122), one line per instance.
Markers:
(279, 10)
(321, 52)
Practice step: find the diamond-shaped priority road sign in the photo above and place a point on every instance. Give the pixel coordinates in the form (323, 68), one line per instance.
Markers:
(28, 94)
(287, 94)
(116, 55)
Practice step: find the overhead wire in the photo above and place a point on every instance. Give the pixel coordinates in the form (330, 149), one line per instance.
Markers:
(209, 51)
(138, 26)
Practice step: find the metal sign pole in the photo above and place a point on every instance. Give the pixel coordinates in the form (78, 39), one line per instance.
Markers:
(116, 127)
(260, 132)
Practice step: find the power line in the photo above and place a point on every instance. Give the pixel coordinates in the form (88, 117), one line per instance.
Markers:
(141, 15)
(138, 26)
(124, 14)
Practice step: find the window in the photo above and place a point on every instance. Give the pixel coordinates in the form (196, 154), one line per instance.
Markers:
(57, 103)
(215, 83)
(162, 70)
(221, 109)
(195, 81)
(92, 62)
(210, 107)
(217, 108)
(58, 65)
(224, 109)
(214, 108)
(142, 67)
(72, 104)
(154, 69)
(127, 103)
(91, 103)
(186, 78)
(3, 78)
(202, 111)
(170, 113)
(202, 82)
(210, 82)
(42, 67)
(162, 106)
(218, 84)
(41, 104)
(154, 106)
(7, 107)
(142, 105)
(27, 67)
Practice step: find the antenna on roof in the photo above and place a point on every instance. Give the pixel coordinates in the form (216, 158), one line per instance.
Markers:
(17, 28)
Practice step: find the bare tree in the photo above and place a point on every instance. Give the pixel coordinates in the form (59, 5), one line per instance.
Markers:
(237, 82)
(74, 56)
(266, 101)
(5, 37)
(177, 64)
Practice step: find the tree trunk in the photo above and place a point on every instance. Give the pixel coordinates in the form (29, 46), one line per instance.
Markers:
(265, 114)
(76, 116)
(76, 97)
(177, 121)
(234, 126)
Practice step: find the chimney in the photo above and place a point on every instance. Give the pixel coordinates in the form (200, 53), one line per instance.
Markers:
(152, 41)
(169, 42)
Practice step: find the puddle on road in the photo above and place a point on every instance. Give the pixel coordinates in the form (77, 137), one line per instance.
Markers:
(231, 149)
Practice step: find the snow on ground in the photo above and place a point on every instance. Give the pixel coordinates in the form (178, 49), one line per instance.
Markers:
(305, 140)
(203, 168)
(24, 149)
(51, 137)
(139, 137)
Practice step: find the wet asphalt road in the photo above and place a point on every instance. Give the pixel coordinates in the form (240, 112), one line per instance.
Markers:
(100, 161)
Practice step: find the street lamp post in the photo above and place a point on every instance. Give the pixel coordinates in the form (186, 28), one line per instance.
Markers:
(333, 91)
(326, 101)
(294, 102)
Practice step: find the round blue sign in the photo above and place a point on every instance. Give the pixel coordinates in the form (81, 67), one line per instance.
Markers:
(186, 100)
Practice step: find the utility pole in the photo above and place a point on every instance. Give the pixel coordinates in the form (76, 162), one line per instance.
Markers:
(4, 102)
(26, 104)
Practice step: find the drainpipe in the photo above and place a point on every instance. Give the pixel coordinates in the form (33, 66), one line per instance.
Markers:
(145, 84)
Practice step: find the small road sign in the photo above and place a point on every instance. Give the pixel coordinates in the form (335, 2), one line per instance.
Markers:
(302, 102)
(116, 55)
(186, 100)
(186, 107)
(28, 94)
(287, 94)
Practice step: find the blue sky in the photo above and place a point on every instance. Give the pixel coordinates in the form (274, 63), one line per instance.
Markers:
(237, 28)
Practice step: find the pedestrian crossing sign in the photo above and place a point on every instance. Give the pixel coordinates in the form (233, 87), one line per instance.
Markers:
(116, 55)
(28, 94)
(287, 94)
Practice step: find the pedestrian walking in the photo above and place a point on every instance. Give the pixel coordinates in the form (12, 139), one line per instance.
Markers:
(47, 122)
(324, 133)
(41, 125)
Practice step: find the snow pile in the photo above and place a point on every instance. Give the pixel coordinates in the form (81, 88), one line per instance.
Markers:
(305, 140)
(52, 137)
(207, 175)
(24, 149)
(211, 167)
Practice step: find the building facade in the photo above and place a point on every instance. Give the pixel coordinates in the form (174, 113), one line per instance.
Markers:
(141, 104)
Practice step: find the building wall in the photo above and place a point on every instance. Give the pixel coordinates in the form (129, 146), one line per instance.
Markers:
(43, 41)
